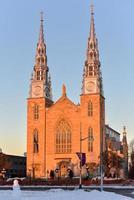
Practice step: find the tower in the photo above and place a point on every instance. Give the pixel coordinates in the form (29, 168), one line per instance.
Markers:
(40, 97)
(41, 81)
(92, 99)
(92, 79)
(125, 151)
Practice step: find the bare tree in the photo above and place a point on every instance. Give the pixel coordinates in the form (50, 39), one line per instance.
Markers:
(131, 164)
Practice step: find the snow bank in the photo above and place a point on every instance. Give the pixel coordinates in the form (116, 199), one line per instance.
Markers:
(59, 194)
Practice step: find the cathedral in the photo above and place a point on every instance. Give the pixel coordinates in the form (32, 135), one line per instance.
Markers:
(57, 132)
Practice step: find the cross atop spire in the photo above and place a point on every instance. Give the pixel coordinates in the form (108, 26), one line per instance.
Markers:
(41, 14)
(41, 34)
(92, 27)
(92, 8)
(124, 140)
(124, 131)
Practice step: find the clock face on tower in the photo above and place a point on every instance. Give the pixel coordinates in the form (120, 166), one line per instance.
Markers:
(90, 86)
(37, 90)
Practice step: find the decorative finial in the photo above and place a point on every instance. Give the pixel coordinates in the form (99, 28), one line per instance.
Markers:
(41, 16)
(92, 8)
(63, 90)
(124, 130)
(41, 34)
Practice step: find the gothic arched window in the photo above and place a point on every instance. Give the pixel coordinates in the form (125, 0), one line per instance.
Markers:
(63, 137)
(38, 75)
(39, 51)
(38, 60)
(95, 70)
(95, 54)
(90, 70)
(90, 109)
(91, 45)
(90, 139)
(91, 55)
(36, 112)
(42, 59)
(41, 75)
(35, 141)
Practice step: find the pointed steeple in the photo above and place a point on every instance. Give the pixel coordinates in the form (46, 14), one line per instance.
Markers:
(92, 50)
(41, 34)
(41, 82)
(92, 27)
(41, 57)
(124, 139)
(92, 79)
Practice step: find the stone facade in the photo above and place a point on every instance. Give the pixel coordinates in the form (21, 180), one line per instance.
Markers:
(56, 129)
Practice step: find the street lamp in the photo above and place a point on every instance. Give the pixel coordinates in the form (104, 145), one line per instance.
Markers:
(101, 161)
(81, 140)
(101, 173)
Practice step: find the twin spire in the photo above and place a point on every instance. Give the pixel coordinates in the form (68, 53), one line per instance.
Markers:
(92, 79)
(41, 79)
(92, 50)
(41, 57)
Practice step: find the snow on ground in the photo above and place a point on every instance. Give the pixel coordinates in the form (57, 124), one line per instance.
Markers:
(59, 194)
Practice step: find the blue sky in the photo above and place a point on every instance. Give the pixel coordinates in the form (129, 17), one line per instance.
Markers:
(66, 27)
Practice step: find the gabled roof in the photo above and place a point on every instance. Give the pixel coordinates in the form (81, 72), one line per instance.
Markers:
(61, 100)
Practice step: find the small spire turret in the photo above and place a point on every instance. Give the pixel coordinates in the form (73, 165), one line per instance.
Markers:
(124, 140)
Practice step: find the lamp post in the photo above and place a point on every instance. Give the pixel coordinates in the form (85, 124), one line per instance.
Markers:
(81, 140)
(80, 179)
(101, 172)
(101, 147)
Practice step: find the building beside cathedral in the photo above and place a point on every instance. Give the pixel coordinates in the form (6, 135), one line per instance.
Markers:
(55, 129)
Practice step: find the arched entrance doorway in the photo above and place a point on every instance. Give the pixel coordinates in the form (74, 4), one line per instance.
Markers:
(63, 167)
